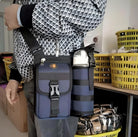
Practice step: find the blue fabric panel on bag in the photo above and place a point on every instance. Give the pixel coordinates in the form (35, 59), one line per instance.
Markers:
(82, 90)
(47, 99)
(63, 85)
(43, 111)
(81, 74)
(82, 105)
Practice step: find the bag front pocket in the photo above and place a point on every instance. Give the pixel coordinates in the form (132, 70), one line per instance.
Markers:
(53, 90)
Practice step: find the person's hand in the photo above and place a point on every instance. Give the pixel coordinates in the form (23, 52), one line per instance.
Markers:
(10, 16)
(11, 91)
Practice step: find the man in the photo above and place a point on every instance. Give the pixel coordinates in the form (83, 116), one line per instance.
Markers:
(59, 26)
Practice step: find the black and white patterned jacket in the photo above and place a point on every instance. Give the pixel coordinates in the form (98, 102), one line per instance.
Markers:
(57, 24)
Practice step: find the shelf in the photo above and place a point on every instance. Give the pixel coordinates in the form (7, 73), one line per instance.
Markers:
(109, 87)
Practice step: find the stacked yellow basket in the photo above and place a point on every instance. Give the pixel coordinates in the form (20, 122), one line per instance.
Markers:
(128, 39)
(102, 69)
(124, 70)
(124, 66)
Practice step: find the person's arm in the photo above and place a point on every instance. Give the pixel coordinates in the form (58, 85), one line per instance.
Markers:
(65, 17)
(12, 86)
(11, 91)
(15, 75)
(10, 17)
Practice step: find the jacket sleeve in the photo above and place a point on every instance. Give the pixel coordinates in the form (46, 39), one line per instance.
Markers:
(14, 73)
(66, 17)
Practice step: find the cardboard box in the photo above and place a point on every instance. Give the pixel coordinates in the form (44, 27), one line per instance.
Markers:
(3, 99)
(17, 113)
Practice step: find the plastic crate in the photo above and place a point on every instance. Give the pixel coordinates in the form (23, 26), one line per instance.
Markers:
(124, 70)
(107, 134)
(128, 39)
(102, 72)
(7, 61)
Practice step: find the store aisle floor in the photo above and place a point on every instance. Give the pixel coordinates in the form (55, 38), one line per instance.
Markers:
(7, 129)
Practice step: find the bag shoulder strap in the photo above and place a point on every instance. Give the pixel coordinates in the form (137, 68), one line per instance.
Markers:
(34, 47)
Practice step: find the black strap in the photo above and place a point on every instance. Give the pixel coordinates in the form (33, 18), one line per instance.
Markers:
(88, 82)
(59, 59)
(33, 45)
(54, 105)
(81, 82)
(55, 76)
(90, 51)
(54, 96)
(91, 79)
(82, 97)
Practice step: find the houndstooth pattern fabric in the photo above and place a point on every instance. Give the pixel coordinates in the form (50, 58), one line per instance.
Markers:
(57, 24)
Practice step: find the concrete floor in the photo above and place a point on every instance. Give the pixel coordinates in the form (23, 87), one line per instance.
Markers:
(7, 129)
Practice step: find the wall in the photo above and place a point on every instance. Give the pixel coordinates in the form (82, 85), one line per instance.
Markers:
(6, 37)
(1, 34)
(134, 14)
(95, 33)
(116, 19)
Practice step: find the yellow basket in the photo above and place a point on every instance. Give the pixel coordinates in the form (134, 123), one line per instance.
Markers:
(124, 70)
(7, 61)
(128, 39)
(102, 70)
(107, 134)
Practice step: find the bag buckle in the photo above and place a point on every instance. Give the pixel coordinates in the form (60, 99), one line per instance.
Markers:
(54, 90)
